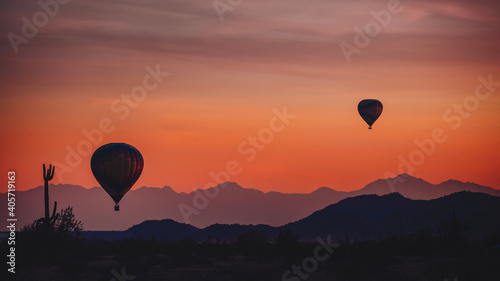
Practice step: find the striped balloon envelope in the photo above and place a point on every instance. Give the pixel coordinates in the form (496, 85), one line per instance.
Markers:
(117, 166)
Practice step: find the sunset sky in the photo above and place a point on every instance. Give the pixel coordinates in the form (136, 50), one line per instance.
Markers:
(227, 78)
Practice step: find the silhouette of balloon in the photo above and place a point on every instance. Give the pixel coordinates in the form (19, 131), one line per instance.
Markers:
(370, 110)
(117, 166)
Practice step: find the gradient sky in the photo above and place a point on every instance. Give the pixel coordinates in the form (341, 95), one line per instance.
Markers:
(226, 77)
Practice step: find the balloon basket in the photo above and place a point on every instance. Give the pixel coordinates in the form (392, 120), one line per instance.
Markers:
(370, 127)
(117, 208)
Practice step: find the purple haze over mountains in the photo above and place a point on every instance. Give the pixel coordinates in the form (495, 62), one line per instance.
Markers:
(233, 204)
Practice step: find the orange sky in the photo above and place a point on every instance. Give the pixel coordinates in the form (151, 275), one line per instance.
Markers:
(226, 77)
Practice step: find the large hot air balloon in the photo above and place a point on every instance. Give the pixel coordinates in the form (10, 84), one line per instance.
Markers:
(370, 110)
(117, 166)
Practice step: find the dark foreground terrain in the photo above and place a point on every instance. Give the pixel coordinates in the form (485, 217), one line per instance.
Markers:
(417, 256)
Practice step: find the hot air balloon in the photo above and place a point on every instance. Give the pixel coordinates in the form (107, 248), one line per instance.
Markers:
(370, 110)
(117, 166)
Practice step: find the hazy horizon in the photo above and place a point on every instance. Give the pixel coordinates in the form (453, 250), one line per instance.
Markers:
(255, 188)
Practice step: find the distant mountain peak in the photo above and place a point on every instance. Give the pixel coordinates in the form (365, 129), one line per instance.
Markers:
(168, 188)
(403, 175)
(63, 185)
(407, 176)
(323, 189)
(452, 181)
(393, 195)
(229, 185)
(165, 188)
(226, 186)
(164, 227)
(158, 222)
(146, 188)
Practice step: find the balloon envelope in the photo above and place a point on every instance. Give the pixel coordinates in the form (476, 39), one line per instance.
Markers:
(370, 110)
(117, 166)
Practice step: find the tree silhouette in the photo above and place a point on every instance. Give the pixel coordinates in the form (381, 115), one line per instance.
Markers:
(454, 229)
(252, 238)
(65, 227)
(287, 238)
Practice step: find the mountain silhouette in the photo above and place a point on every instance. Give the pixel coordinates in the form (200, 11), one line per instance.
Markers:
(361, 217)
(358, 215)
(233, 205)
(372, 216)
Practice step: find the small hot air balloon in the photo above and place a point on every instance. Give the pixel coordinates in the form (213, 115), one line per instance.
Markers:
(117, 166)
(370, 110)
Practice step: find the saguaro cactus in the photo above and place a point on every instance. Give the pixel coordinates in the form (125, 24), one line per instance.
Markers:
(48, 221)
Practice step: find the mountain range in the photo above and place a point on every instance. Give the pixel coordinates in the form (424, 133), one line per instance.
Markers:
(232, 205)
(360, 217)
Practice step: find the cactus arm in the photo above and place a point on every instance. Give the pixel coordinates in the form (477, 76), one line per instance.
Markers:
(54, 216)
(50, 174)
(55, 208)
